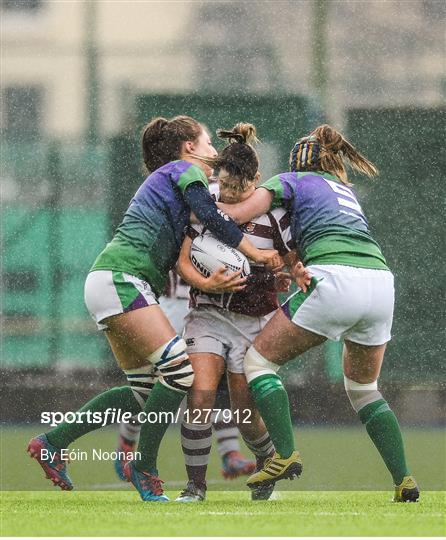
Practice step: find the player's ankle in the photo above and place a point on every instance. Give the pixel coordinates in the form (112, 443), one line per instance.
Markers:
(199, 483)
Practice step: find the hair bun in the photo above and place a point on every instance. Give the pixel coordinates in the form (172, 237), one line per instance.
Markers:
(241, 133)
(232, 136)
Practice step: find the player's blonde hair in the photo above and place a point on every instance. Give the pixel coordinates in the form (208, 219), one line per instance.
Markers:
(326, 149)
(239, 157)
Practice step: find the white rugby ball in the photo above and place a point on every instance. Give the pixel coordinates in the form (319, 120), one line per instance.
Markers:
(208, 254)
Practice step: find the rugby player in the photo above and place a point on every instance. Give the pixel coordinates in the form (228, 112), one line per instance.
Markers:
(348, 294)
(175, 304)
(124, 283)
(220, 327)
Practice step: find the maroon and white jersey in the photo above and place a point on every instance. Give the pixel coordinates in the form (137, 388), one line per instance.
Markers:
(269, 231)
(176, 287)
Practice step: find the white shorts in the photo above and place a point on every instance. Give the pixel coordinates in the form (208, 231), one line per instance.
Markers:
(108, 293)
(346, 303)
(175, 310)
(219, 331)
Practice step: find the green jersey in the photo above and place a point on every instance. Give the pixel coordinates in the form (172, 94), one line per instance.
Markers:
(327, 222)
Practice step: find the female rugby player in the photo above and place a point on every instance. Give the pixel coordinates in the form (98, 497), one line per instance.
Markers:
(350, 296)
(220, 327)
(121, 293)
(175, 304)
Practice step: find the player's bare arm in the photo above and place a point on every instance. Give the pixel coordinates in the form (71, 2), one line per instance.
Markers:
(268, 257)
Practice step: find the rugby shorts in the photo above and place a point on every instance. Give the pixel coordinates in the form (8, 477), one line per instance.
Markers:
(345, 302)
(109, 293)
(215, 330)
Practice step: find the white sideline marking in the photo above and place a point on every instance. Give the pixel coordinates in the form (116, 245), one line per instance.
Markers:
(275, 513)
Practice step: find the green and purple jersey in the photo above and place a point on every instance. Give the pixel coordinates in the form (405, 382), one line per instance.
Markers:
(148, 241)
(327, 222)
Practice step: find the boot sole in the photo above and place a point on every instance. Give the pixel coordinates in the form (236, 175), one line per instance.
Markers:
(409, 495)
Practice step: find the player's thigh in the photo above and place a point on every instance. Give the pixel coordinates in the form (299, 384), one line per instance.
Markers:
(362, 363)
(125, 356)
(208, 370)
(140, 332)
(282, 340)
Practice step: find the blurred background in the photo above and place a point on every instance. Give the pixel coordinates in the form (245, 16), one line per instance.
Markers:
(80, 79)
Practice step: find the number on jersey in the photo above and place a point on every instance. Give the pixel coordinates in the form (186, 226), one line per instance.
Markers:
(347, 199)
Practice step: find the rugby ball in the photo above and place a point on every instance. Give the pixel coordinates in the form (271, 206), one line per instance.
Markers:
(208, 254)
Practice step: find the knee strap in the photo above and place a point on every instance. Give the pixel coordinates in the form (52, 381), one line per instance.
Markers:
(172, 363)
(361, 395)
(141, 381)
(256, 365)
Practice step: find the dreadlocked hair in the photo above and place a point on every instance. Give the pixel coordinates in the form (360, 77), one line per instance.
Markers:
(325, 149)
(239, 158)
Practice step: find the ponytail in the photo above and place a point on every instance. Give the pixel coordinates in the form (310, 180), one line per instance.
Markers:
(152, 144)
(327, 150)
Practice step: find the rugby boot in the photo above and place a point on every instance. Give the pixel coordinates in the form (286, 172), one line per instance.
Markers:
(407, 491)
(263, 492)
(50, 459)
(235, 464)
(149, 485)
(194, 492)
(124, 447)
(276, 468)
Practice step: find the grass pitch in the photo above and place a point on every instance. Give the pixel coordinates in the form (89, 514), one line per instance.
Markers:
(326, 501)
(223, 514)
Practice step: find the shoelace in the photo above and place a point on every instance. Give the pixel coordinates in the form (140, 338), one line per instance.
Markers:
(189, 489)
(151, 483)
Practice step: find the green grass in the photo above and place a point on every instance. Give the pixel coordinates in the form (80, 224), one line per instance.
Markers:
(338, 463)
(223, 514)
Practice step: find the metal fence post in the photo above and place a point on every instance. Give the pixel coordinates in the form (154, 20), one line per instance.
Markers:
(54, 250)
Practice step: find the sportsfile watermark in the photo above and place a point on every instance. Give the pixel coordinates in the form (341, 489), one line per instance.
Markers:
(118, 416)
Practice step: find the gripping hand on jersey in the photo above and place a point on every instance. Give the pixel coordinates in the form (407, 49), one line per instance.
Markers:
(301, 275)
(283, 281)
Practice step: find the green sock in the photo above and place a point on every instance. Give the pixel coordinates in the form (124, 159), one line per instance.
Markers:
(120, 398)
(383, 428)
(272, 401)
(161, 400)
